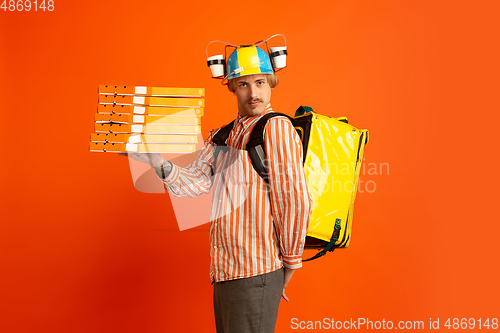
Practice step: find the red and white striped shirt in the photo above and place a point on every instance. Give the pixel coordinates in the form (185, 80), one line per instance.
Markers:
(244, 239)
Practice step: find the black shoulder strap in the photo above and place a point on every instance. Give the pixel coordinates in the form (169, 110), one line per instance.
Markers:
(255, 144)
(221, 136)
(220, 142)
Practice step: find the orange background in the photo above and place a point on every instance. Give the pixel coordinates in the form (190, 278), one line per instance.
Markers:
(83, 251)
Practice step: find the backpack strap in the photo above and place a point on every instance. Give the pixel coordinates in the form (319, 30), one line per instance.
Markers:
(255, 144)
(221, 136)
(220, 142)
(331, 245)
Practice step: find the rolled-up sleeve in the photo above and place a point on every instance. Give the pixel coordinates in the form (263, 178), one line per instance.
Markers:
(289, 195)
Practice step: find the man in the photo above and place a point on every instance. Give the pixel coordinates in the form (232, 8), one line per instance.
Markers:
(257, 229)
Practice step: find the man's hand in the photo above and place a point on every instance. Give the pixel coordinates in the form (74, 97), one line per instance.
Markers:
(288, 276)
(153, 159)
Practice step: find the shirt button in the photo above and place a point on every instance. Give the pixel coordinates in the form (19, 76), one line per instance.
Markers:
(215, 247)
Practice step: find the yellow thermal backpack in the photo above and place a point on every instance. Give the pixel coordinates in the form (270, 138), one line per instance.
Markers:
(333, 153)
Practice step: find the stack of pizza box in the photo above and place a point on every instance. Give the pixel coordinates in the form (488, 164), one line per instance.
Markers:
(147, 119)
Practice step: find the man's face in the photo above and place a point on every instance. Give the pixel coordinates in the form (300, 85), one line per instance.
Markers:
(253, 94)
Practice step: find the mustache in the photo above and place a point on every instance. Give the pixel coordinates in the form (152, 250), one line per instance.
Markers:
(251, 100)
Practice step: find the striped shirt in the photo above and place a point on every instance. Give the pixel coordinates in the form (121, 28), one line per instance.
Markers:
(256, 228)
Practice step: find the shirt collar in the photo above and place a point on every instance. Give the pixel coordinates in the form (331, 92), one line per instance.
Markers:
(245, 120)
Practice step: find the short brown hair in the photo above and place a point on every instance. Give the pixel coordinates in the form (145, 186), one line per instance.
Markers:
(272, 79)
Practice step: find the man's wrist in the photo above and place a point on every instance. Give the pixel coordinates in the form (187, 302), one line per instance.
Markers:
(163, 169)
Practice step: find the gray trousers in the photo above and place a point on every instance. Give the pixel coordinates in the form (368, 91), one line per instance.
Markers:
(248, 305)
